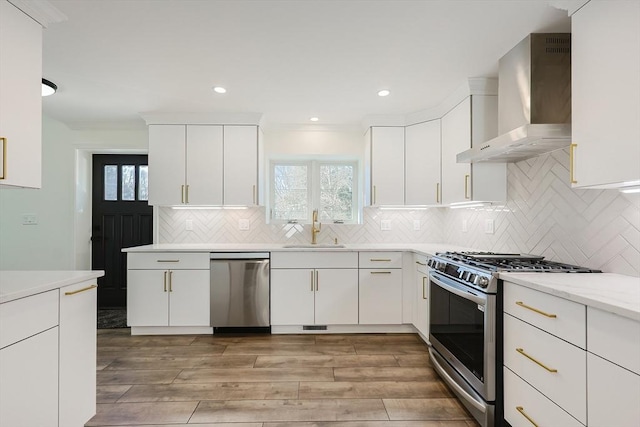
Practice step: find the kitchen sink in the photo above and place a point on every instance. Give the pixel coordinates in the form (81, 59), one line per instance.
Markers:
(317, 246)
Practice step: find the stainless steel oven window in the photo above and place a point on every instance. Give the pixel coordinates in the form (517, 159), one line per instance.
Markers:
(462, 330)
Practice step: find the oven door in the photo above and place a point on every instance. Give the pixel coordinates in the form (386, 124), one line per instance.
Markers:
(462, 331)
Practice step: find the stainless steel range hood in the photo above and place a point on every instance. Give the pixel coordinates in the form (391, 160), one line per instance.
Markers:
(534, 101)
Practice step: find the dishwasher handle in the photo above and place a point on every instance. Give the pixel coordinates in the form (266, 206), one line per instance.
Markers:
(238, 255)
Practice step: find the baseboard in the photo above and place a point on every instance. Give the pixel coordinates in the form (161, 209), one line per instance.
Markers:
(171, 330)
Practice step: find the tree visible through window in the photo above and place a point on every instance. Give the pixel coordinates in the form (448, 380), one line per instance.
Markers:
(300, 187)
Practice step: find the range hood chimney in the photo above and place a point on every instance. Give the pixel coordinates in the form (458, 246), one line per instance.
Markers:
(534, 101)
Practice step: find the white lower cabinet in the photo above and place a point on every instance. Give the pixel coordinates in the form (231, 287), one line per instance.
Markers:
(29, 381)
(421, 297)
(314, 296)
(168, 289)
(78, 314)
(381, 296)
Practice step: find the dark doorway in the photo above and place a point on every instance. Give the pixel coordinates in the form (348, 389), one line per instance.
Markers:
(121, 218)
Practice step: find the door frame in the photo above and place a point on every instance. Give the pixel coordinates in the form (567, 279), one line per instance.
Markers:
(83, 203)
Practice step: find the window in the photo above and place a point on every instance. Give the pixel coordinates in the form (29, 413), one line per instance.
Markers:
(128, 184)
(299, 187)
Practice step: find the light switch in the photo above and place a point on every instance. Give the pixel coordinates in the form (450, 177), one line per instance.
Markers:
(29, 219)
(416, 225)
(243, 224)
(188, 225)
(488, 226)
(385, 224)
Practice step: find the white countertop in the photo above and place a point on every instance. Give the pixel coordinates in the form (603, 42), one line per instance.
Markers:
(610, 292)
(421, 248)
(20, 284)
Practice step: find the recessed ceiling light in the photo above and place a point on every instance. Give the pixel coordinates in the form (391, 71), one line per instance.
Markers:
(314, 119)
(219, 89)
(48, 88)
(383, 92)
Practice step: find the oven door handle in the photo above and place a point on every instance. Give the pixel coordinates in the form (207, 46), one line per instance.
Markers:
(453, 384)
(454, 288)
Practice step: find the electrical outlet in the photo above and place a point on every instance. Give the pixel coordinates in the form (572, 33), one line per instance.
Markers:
(488, 226)
(29, 219)
(385, 224)
(188, 225)
(416, 225)
(465, 226)
(243, 224)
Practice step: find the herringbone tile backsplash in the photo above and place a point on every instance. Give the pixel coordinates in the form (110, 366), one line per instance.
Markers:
(542, 216)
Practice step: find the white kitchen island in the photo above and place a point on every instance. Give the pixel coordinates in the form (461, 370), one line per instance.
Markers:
(47, 347)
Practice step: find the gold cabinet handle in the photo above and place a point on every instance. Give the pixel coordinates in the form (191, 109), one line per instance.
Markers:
(421, 263)
(379, 260)
(521, 351)
(438, 192)
(164, 281)
(3, 140)
(254, 195)
(528, 307)
(182, 193)
(170, 281)
(312, 280)
(374, 195)
(424, 287)
(77, 291)
(380, 272)
(168, 260)
(466, 186)
(186, 198)
(572, 160)
(317, 281)
(524, 414)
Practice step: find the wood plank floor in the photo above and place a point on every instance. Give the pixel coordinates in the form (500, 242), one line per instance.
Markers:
(377, 380)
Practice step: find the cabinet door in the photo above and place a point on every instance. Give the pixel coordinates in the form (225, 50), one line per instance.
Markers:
(292, 296)
(147, 298)
(387, 165)
(204, 165)
(29, 381)
(167, 162)
(21, 100)
(336, 300)
(422, 164)
(422, 304)
(78, 353)
(380, 296)
(189, 298)
(606, 92)
(613, 394)
(240, 165)
(456, 137)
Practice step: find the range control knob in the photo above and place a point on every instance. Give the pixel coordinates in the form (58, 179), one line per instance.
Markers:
(472, 278)
(483, 281)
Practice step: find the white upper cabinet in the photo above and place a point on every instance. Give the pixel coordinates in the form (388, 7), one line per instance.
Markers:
(241, 165)
(605, 73)
(472, 121)
(185, 165)
(387, 165)
(20, 99)
(422, 163)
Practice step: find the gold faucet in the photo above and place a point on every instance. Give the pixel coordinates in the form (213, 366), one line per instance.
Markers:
(314, 230)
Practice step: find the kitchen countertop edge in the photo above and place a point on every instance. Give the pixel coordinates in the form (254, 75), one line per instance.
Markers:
(20, 284)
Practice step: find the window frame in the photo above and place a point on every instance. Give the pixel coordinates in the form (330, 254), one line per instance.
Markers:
(314, 190)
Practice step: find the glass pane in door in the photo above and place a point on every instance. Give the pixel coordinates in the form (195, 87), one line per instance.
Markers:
(128, 182)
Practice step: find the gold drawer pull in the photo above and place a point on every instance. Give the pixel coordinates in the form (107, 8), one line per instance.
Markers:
(521, 351)
(88, 288)
(164, 282)
(438, 192)
(421, 263)
(379, 260)
(3, 141)
(168, 260)
(572, 160)
(528, 307)
(312, 281)
(380, 272)
(424, 286)
(524, 414)
(466, 187)
(170, 281)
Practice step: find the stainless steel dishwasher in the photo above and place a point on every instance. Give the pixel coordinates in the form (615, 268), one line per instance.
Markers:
(240, 290)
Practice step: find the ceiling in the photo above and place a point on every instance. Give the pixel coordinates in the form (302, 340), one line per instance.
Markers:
(288, 60)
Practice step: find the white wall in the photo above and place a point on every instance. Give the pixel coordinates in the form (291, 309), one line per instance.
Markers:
(49, 244)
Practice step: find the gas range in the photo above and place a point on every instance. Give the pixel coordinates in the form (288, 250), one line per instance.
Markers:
(478, 269)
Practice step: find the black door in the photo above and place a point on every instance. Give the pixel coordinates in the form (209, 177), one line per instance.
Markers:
(122, 218)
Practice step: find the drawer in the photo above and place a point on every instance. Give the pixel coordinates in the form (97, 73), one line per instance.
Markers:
(614, 338)
(540, 410)
(560, 317)
(168, 260)
(380, 259)
(568, 386)
(314, 259)
(420, 262)
(25, 317)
